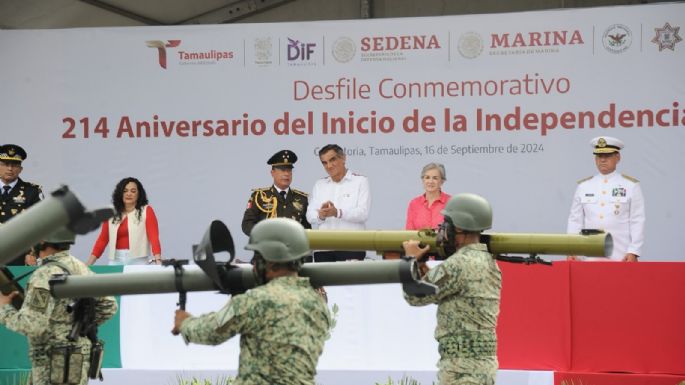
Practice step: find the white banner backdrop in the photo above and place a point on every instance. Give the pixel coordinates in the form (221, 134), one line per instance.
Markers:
(508, 102)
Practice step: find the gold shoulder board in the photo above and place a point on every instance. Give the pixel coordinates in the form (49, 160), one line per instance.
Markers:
(630, 178)
(584, 179)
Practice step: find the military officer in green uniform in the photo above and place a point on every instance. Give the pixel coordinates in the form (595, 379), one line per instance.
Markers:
(279, 200)
(283, 322)
(469, 283)
(45, 321)
(15, 194)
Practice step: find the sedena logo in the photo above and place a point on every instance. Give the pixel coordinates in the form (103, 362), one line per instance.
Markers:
(161, 49)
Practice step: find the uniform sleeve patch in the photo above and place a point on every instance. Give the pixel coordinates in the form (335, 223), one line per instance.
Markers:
(40, 298)
(224, 316)
(437, 275)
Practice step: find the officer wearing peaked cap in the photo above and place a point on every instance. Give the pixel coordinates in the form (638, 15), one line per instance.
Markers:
(15, 194)
(610, 201)
(278, 200)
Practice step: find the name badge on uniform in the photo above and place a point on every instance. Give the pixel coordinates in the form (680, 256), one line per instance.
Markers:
(589, 194)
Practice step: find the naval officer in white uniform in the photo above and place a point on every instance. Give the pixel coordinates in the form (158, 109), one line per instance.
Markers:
(610, 201)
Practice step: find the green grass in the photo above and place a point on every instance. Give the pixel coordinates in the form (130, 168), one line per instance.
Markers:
(221, 380)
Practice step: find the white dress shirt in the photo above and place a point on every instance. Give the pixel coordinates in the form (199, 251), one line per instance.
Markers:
(351, 196)
(613, 203)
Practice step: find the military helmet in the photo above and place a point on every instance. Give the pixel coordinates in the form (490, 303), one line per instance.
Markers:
(469, 212)
(279, 240)
(62, 235)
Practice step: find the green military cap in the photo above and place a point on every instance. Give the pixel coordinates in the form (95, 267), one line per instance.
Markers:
(283, 159)
(12, 153)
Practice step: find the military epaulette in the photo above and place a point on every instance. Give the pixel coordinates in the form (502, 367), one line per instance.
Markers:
(630, 178)
(584, 179)
(299, 192)
(261, 189)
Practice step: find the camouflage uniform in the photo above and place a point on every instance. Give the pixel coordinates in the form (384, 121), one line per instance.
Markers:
(283, 325)
(45, 321)
(468, 304)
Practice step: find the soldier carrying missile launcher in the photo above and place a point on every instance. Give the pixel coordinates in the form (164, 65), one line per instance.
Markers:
(282, 323)
(469, 284)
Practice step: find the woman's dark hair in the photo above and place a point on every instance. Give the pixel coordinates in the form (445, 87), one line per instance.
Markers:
(118, 198)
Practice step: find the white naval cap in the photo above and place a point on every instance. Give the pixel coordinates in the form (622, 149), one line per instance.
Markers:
(606, 145)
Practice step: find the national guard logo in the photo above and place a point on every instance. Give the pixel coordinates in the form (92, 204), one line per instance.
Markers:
(618, 192)
(11, 152)
(666, 37)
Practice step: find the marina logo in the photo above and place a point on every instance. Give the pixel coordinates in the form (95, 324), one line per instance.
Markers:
(161, 49)
(617, 38)
(666, 37)
(537, 42)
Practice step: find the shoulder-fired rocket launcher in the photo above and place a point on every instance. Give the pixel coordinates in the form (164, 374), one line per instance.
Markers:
(589, 242)
(232, 279)
(59, 209)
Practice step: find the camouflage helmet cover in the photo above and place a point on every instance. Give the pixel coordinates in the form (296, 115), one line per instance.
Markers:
(469, 212)
(62, 235)
(279, 240)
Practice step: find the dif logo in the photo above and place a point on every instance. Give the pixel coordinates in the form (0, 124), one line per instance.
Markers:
(299, 51)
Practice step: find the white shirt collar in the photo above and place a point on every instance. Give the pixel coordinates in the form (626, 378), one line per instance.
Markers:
(11, 184)
(278, 190)
(347, 175)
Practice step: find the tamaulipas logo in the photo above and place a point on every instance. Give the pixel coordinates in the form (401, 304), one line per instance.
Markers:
(161, 49)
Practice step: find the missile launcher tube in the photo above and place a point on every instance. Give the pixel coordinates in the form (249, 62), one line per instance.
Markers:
(498, 243)
(238, 278)
(42, 219)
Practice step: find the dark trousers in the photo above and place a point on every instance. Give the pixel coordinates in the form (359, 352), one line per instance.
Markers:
(337, 256)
